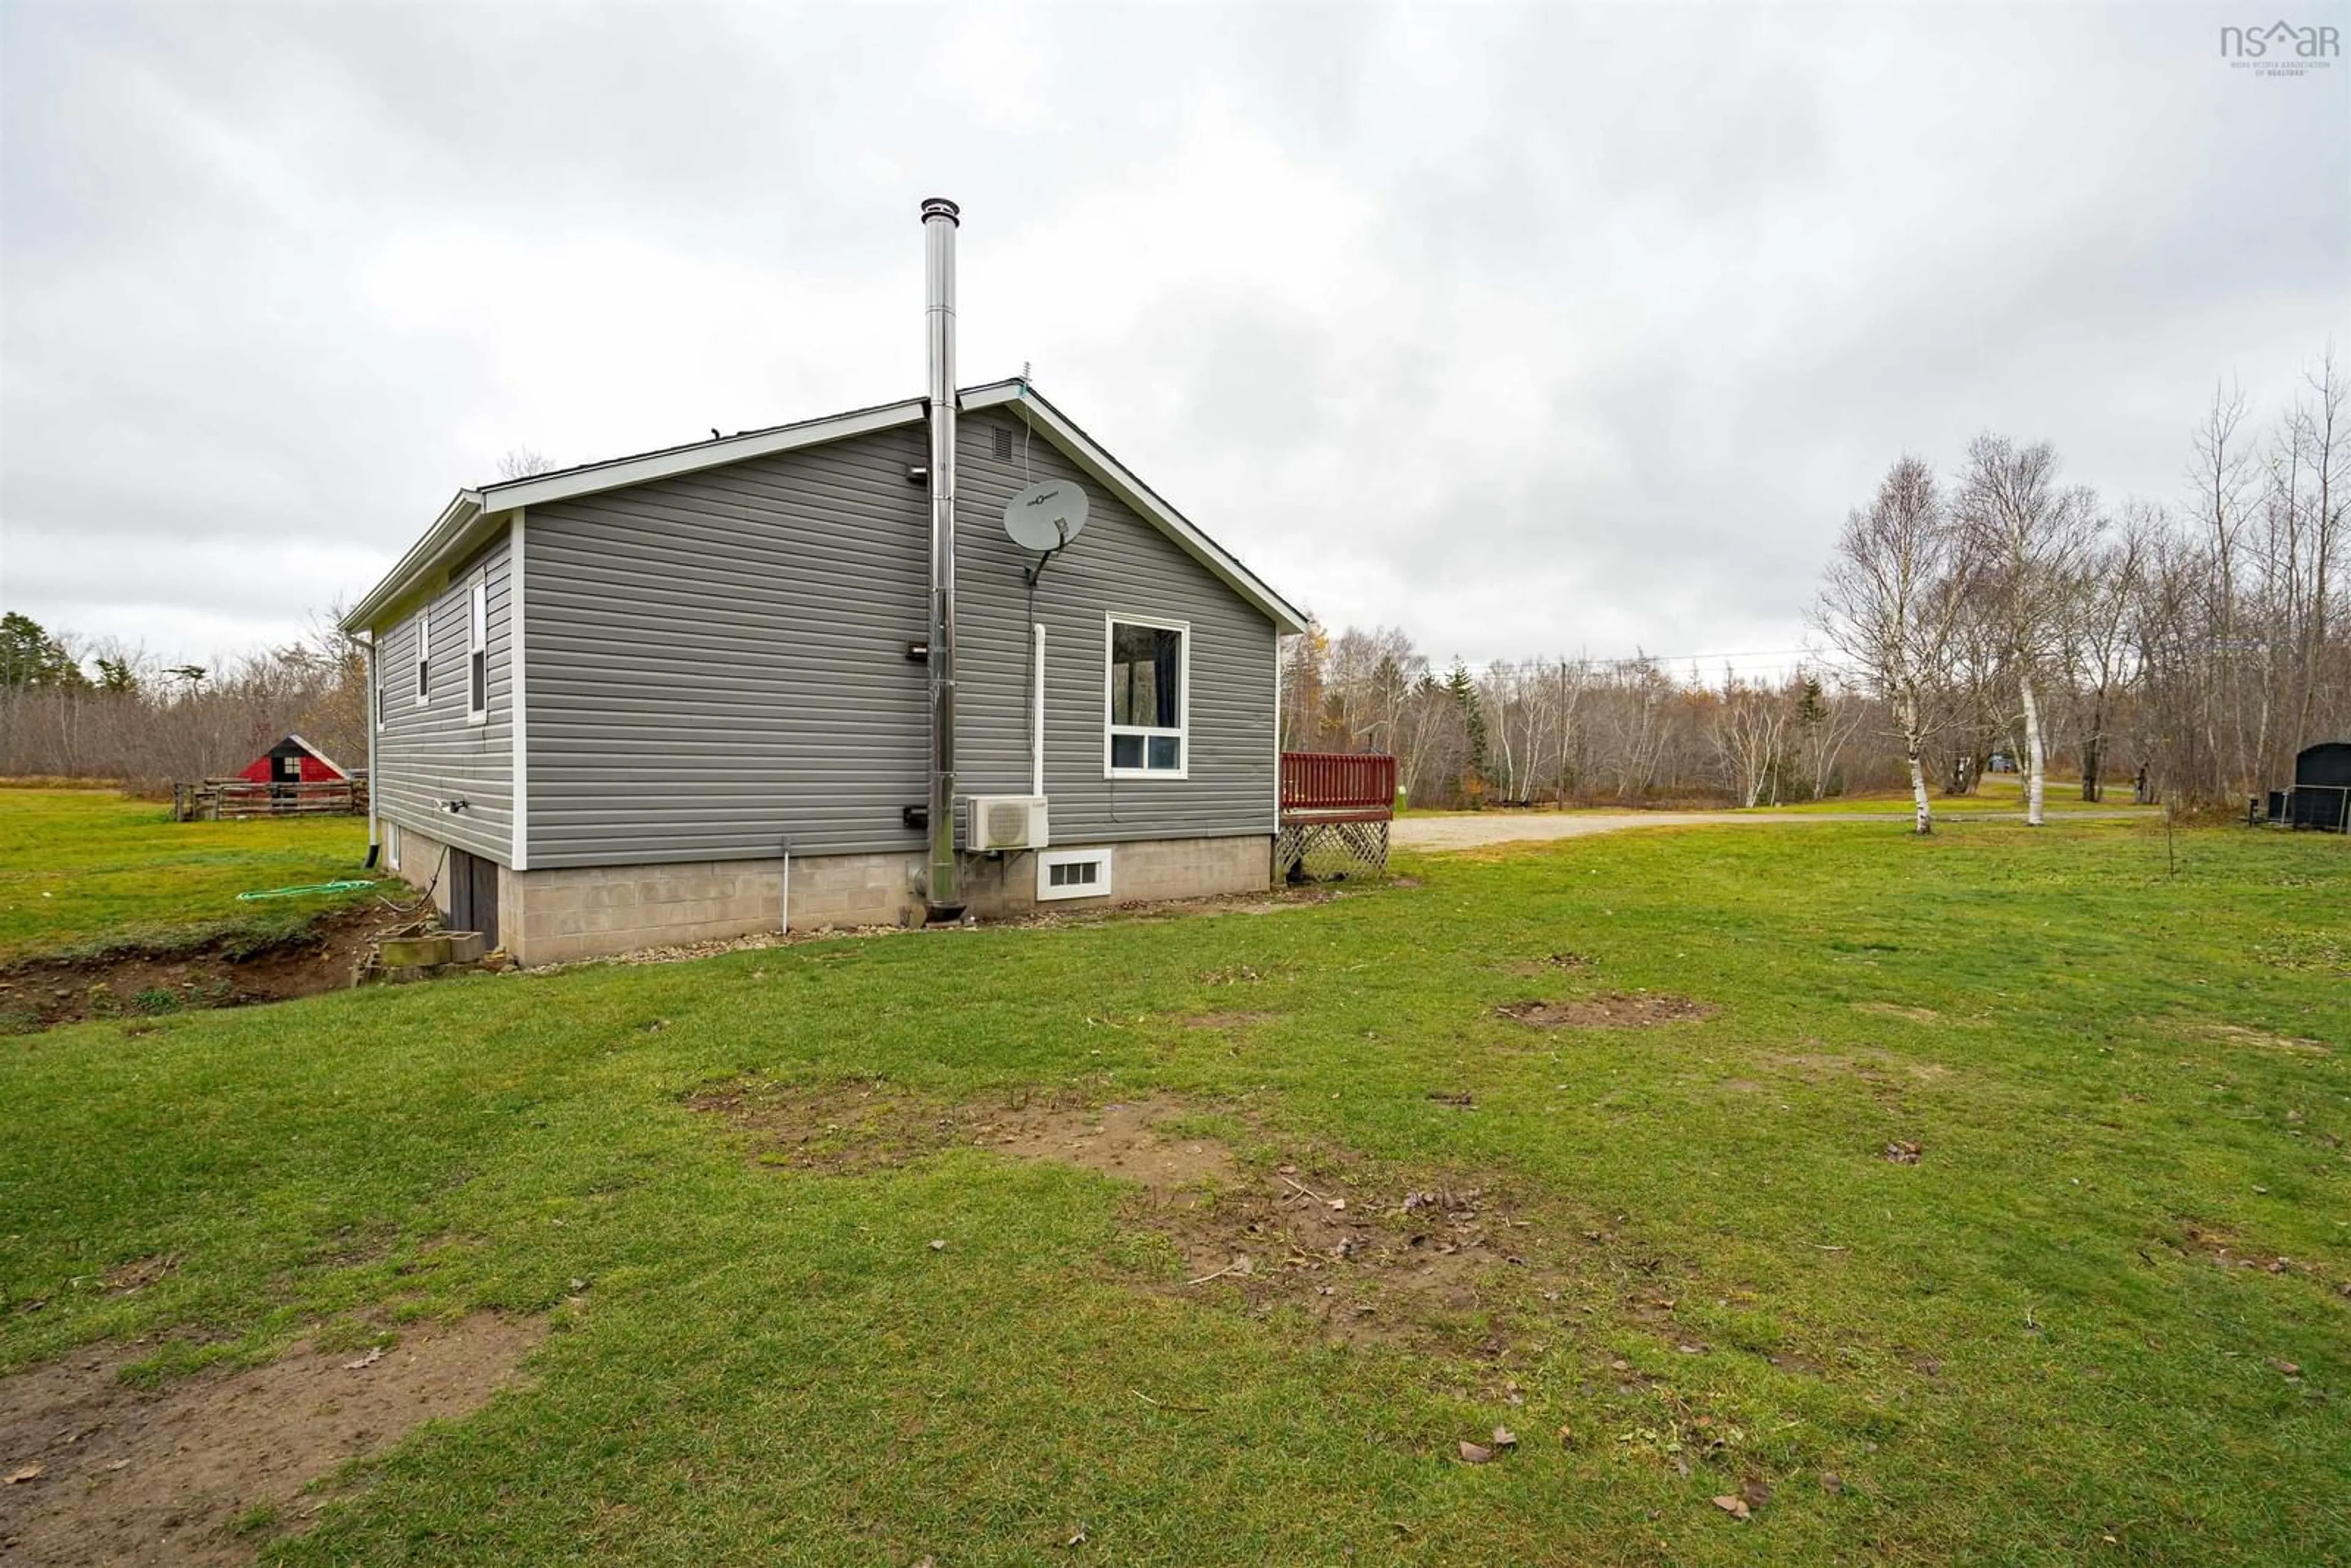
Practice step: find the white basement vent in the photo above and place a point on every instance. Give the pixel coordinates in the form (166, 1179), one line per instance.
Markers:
(1005, 823)
(1074, 874)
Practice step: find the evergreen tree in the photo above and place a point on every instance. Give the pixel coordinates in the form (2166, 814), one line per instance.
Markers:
(29, 657)
(1473, 714)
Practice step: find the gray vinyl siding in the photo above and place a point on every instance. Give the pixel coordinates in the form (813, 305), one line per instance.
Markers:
(430, 754)
(1119, 565)
(717, 662)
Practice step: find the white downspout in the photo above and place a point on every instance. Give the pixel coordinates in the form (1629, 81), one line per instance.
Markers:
(375, 701)
(1037, 734)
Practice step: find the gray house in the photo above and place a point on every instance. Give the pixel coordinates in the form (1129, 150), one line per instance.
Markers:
(719, 689)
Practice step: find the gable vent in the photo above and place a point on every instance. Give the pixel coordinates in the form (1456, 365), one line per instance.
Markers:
(1002, 436)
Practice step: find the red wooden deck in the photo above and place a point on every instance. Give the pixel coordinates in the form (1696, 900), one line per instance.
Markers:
(1337, 787)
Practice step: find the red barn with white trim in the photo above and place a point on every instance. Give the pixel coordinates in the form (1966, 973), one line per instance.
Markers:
(293, 761)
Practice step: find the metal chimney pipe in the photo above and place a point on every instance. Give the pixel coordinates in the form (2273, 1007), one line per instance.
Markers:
(939, 223)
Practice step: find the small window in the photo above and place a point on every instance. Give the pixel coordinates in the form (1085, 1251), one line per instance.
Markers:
(1147, 699)
(424, 656)
(477, 656)
(1074, 874)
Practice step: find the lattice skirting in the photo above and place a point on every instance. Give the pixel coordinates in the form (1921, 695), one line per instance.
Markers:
(1323, 851)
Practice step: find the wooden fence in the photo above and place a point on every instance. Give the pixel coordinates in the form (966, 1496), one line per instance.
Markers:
(235, 800)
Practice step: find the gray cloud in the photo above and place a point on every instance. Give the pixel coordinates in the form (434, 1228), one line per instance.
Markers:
(1527, 328)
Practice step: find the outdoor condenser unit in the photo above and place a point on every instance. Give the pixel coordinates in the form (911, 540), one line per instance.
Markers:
(1004, 822)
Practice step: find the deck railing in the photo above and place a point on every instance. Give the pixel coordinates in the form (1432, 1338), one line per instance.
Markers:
(1335, 787)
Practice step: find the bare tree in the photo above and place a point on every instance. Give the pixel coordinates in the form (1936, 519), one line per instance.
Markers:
(2220, 475)
(2099, 636)
(1749, 727)
(2031, 536)
(521, 463)
(1897, 586)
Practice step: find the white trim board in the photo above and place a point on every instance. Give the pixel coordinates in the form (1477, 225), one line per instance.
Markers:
(518, 811)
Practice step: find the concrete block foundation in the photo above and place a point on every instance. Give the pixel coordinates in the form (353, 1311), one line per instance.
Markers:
(561, 915)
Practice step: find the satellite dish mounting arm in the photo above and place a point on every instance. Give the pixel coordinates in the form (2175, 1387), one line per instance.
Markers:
(1037, 570)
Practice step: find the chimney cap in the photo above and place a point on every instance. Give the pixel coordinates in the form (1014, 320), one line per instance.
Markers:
(940, 207)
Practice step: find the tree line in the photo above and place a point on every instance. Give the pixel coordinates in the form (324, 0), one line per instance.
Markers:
(73, 709)
(1583, 731)
(1995, 615)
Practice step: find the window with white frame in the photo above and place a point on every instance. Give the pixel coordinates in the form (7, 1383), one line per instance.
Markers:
(1149, 682)
(1072, 873)
(477, 657)
(424, 656)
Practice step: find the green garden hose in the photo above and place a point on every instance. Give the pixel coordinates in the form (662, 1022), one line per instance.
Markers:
(298, 892)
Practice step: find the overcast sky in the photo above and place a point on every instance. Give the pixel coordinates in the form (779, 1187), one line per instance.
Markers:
(1528, 330)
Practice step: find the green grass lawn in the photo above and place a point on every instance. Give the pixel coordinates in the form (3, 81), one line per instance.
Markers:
(2014, 1349)
(82, 870)
(1994, 792)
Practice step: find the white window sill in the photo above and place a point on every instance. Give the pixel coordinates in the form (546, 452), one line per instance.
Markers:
(481, 717)
(1168, 773)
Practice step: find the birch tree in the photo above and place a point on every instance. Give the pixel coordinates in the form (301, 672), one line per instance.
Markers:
(1895, 590)
(2032, 536)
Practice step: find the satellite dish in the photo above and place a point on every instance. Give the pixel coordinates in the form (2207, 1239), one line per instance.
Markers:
(1046, 515)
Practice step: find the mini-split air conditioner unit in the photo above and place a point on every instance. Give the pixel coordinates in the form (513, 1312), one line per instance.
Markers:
(994, 823)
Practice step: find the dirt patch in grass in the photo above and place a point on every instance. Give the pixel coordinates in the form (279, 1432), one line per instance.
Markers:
(2266, 1039)
(218, 972)
(1548, 964)
(1814, 1067)
(1371, 1254)
(1612, 1009)
(1896, 1010)
(1243, 975)
(1223, 1020)
(206, 1470)
(139, 1273)
(2231, 1250)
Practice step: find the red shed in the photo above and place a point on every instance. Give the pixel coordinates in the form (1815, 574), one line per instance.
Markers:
(293, 761)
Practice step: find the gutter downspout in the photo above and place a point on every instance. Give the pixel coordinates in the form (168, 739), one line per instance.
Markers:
(939, 223)
(375, 701)
(1037, 735)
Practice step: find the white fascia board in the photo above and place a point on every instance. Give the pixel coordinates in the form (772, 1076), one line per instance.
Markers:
(459, 515)
(1082, 450)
